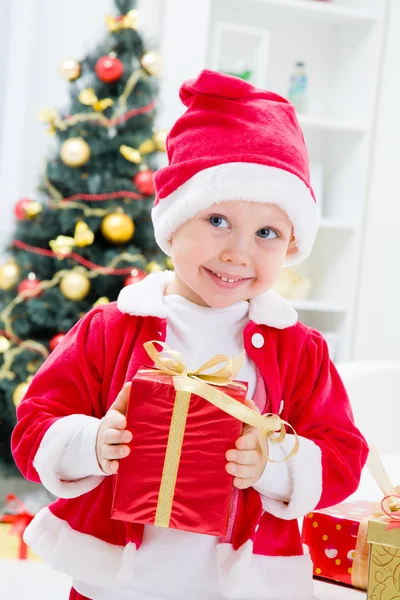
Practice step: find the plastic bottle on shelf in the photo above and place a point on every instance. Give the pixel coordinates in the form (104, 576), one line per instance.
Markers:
(298, 87)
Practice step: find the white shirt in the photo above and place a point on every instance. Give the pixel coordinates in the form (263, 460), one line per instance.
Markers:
(173, 564)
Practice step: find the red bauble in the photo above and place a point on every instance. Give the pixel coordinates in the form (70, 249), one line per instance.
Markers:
(20, 208)
(135, 276)
(30, 288)
(56, 340)
(109, 69)
(144, 182)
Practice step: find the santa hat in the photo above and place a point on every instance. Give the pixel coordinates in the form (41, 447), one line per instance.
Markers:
(234, 142)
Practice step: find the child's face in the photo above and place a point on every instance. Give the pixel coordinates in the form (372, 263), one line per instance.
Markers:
(244, 241)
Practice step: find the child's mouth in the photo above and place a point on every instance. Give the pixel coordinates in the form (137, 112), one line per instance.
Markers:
(225, 283)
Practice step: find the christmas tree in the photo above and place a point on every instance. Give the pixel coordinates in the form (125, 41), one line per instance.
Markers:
(87, 232)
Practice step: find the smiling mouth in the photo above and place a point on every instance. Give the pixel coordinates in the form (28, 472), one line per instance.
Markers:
(226, 280)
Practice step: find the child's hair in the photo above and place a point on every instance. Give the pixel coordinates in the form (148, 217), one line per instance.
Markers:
(234, 142)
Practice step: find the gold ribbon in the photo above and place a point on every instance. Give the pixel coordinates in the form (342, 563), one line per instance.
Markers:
(187, 382)
(89, 98)
(135, 155)
(128, 21)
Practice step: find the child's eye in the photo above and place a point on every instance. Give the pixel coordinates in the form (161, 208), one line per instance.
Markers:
(267, 234)
(217, 221)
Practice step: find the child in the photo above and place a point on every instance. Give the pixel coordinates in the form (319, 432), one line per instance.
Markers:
(233, 207)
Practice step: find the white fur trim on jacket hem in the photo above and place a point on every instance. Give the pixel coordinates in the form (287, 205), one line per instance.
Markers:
(244, 575)
(89, 560)
(240, 181)
(79, 555)
(52, 447)
(305, 466)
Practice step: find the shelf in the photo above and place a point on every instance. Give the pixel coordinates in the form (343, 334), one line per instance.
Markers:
(320, 11)
(330, 125)
(336, 225)
(317, 306)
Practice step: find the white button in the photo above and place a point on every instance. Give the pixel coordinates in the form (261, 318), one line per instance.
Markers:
(257, 340)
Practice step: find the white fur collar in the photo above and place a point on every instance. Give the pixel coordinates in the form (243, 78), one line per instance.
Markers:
(144, 299)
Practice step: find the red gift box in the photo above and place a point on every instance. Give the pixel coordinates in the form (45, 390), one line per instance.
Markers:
(337, 541)
(199, 499)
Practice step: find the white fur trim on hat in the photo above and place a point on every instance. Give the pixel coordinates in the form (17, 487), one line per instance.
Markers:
(240, 181)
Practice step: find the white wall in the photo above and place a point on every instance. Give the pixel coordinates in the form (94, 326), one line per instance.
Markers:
(42, 33)
(377, 330)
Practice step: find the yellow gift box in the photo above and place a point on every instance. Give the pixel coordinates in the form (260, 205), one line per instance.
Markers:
(384, 561)
(10, 544)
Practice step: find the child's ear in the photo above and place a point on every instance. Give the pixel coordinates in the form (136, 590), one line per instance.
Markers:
(292, 248)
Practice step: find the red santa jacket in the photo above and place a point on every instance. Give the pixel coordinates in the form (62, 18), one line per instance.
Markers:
(263, 556)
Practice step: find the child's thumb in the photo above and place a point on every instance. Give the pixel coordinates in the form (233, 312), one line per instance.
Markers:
(121, 402)
(251, 404)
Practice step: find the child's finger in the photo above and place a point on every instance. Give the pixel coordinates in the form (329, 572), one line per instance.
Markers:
(115, 451)
(121, 402)
(117, 436)
(109, 466)
(241, 471)
(251, 404)
(115, 420)
(248, 441)
(242, 457)
(242, 484)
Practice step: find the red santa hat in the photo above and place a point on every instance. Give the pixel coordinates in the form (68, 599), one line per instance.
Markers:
(234, 142)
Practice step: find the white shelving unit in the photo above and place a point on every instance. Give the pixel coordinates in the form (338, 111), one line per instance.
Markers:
(341, 44)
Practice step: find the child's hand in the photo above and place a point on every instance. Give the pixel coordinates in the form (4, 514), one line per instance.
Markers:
(112, 435)
(247, 462)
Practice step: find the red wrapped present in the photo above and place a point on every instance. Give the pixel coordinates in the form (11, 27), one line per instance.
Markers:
(183, 423)
(14, 521)
(337, 539)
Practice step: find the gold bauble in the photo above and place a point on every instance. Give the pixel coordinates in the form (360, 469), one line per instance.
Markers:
(75, 285)
(169, 264)
(4, 344)
(153, 267)
(160, 138)
(151, 62)
(118, 228)
(9, 275)
(20, 392)
(70, 69)
(75, 152)
(101, 301)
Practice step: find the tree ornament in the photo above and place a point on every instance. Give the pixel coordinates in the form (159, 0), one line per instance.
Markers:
(9, 275)
(30, 287)
(62, 245)
(20, 392)
(75, 152)
(118, 227)
(26, 208)
(83, 235)
(131, 154)
(153, 267)
(151, 62)
(4, 344)
(70, 69)
(169, 264)
(135, 276)
(89, 98)
(101, 301)
(75, 285)
(144, 182)
(160, 139)
(109, 68)
(147, 146)
(50, 116)
(128, 21)
(53, 343)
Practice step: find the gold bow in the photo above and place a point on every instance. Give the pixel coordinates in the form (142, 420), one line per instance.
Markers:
(64, 245)
(135, 155)
(128, 21)
(203, 384)
(89, 98)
